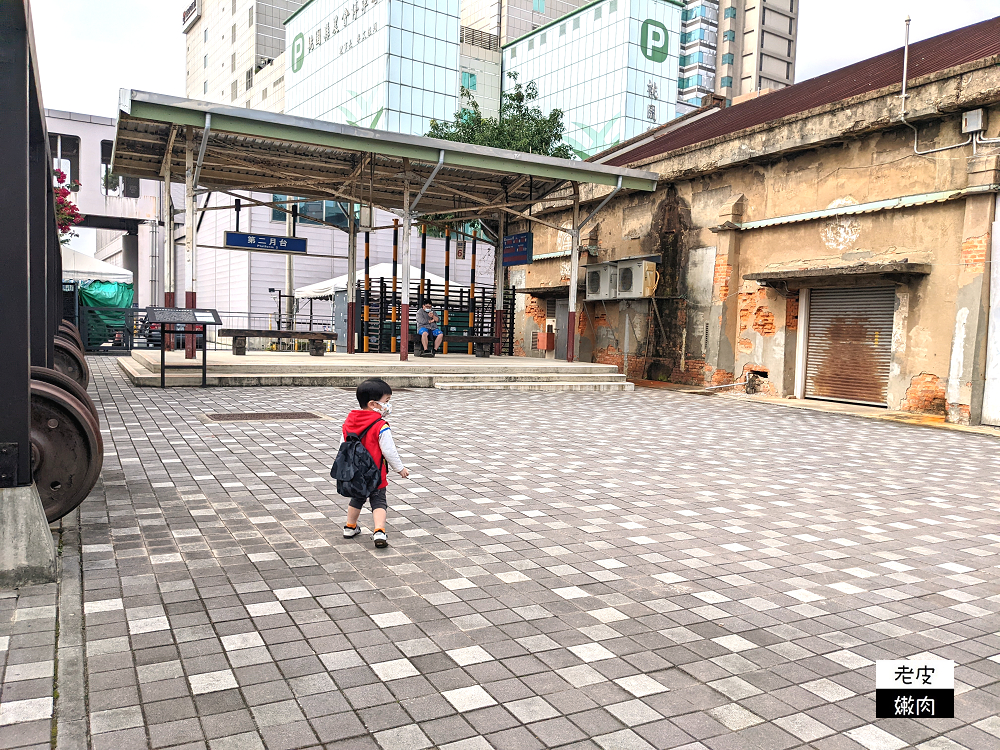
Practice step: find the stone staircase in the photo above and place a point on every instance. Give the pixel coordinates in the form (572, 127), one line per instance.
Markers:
(448, 372)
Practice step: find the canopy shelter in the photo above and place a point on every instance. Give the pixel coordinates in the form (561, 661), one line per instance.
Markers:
(227, 149)
(327, 288)
(77, 266)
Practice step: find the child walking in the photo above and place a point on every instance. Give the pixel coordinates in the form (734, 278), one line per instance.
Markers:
(373, 400)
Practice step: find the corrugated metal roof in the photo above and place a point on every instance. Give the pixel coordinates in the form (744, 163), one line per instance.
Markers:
(249, 149)
(938, 53)
(906, 201)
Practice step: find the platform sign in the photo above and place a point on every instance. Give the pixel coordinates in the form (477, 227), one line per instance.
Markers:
(268, 243)
(914, 688)
(517, 249)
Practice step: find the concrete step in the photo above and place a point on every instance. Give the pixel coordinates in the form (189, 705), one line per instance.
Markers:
(548, 385)
(296, 363)
(531, 377)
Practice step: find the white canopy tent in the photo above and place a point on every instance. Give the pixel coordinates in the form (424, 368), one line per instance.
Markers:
(78, 266)
(379, 270)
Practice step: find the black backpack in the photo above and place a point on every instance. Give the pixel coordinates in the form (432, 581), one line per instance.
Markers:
(354, 468)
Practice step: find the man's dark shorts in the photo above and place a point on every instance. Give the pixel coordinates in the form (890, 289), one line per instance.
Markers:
(377, 500)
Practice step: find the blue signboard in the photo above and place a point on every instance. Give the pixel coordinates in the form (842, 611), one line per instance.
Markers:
(266, 242)
(517, 249)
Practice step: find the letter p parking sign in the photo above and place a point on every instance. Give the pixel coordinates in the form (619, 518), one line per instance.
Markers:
(653, 40)
(298, 52)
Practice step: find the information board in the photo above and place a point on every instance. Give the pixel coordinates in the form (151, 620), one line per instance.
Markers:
(268, 243)
(517, 249)
(183, 316)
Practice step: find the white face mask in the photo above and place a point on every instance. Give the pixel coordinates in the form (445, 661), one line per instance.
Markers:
(384, 408)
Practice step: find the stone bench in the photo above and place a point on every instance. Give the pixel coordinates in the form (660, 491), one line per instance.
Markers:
(482, 346)
(317, 339)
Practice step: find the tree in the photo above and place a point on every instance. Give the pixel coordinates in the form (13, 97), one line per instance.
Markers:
(67, 213)
(521, 126)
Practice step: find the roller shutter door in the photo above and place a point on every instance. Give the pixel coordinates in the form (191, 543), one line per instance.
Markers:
(850, 344)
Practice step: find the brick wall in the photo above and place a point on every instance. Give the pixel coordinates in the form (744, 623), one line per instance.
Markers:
(792, 313)
(974, 254)
(925, 394)
(723, 271)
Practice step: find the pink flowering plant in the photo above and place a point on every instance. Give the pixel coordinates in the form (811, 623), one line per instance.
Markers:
(67, 213)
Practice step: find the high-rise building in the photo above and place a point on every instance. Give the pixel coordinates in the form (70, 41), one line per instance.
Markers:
(610, 66)
(233, 48)
(734, 48)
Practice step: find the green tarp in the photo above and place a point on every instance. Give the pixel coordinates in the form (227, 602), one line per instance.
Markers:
(106, 294)
(103, 325)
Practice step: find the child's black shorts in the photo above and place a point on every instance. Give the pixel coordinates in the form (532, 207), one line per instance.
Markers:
(377, 500)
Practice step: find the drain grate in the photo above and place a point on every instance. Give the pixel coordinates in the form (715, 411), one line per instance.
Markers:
(263, 416)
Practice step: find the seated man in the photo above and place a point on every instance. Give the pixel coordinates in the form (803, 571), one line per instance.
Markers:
(427, 322)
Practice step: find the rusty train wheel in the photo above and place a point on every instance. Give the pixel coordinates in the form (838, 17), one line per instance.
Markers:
(69, 360)
(72, 332)
(74, 389)
(66, 453)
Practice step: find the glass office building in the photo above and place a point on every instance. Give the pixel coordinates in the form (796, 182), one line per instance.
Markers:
(610, 66)
(387, 64)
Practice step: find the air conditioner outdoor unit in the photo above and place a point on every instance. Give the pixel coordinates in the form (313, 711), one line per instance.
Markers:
(636, 278)
(602, 281)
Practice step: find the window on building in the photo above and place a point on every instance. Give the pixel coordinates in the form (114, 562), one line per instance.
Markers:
(263, 94)
(727, 82)
(235, 90)
(250, 18)
(729, 36)
(730, 12)
(562, 29)
(612, 6)
(234, 7)
(110, 184)
(206, 36)
(468, 80)
(728, 59)
(576, 23)
(538, 6)
(232, 63)
(597, 12)
(542, 39)
(513, 53)
(309, 212)
(234, 34)
(250, 79)
(205, 62)
(130, 187)
(531, 44)
(205, 87)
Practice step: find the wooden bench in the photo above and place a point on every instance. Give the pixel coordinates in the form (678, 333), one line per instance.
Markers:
(482, 346)
(317, 339)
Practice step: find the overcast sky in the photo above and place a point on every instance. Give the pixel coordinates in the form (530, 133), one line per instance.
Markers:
(88, 50)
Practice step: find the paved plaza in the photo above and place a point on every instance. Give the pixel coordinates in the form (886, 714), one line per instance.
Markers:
(576, 570)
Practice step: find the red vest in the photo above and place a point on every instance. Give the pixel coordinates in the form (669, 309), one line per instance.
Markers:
(356, 421)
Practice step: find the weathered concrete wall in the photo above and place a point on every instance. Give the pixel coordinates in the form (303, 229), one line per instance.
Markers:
(709, 325)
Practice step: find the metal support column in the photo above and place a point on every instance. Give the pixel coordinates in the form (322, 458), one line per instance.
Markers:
(404, 324)
(27, 554)
(352, 278)
(15, 395)
(40, 278)
(395, 270)
(368, 291)
(472, 290)
(190, 228)
(289, 310)
(574, 273)
(447, 283)
(423, 264)
(498, 283)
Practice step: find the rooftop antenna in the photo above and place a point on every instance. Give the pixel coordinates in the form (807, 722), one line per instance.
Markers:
(902, 113)
(906, 65)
